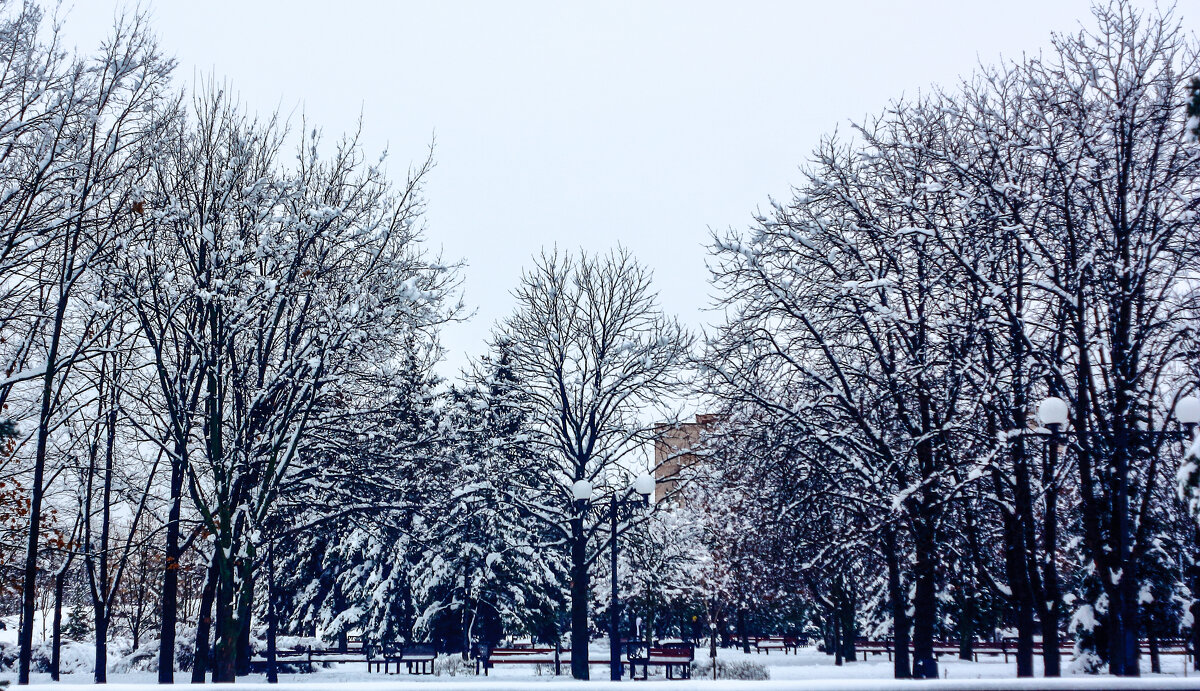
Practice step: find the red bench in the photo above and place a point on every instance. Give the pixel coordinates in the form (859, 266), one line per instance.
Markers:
(418, 658)
(310, 657)
(676, 660)
(765, 644)
(528, 655)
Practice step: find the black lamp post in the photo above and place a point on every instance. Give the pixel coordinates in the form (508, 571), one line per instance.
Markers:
(638, 495)
(1187, 412)
(1053, 413)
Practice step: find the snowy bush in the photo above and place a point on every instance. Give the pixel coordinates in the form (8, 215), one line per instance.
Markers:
(74, 657)
(453, 666)
(8, 656)
(143, 659)
(185, 647)
(78, 657)
(731, 669)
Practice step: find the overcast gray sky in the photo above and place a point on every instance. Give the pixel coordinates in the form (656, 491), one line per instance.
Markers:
(587, 124)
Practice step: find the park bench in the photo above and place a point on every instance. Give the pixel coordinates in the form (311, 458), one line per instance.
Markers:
(1169, 646)
(675, 659)
(519, 655)
(874, 647)
(309, 657)
(765, 644)
(528, 655)
(867, 647)
(334, 656)
(418, 659)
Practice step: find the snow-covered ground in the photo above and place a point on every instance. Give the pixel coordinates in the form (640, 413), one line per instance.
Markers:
(807, 670)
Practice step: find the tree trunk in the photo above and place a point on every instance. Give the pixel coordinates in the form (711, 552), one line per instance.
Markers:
(228, 634)
(204, 621)
(170, 589)
(970, 589)
(56, 646)
(849, 628)
(245, 613)
(102, 591)
(743, 635)
(272, 616)
(899, 603)
(837, 637)
(1195, 607)
(29, 577)
(925, 665)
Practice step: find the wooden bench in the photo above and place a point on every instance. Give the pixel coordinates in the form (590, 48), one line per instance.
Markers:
(1169, 646)
(874, 648)
(675, 659)
(302, 656)
(940, 648)
(418, 659)
(765, 644)
(529, 655)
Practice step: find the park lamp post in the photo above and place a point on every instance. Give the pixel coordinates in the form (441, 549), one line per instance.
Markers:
(1054, 415)
(1187, 412)
(638, 495)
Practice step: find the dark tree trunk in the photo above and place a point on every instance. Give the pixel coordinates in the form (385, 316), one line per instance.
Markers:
(101, 586)
(468, 616)
(1016, 565)
(1195, 607)
(170, 588)
(29, 576)
(272, 616)
(899, 603)
(966, 628)
(743, 635)
(228, 633)
(849, 629)
(968, 613)
(827, 632)
(837, 636)
(925, 665)
(244, 613)
(56, 646)
(204, 622)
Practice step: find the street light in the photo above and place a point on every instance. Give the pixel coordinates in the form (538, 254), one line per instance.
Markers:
(582, 490)
(1187, 411)
(637, 495)
(1054, 414)
(644, 484)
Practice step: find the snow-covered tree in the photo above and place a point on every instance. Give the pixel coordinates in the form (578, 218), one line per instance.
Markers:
(491, 567)
(598, 361)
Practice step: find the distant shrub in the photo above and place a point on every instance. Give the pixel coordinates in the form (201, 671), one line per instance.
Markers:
(731, 669)
(453, 666)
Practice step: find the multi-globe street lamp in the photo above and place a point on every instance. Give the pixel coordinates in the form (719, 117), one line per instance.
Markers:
(1054, 414)
(617, 504)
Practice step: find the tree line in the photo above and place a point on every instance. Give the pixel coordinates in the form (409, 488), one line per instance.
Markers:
(195, 304)
(222, 429)
(1029, 233)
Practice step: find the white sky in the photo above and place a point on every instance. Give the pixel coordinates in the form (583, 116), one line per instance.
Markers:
(587, 124)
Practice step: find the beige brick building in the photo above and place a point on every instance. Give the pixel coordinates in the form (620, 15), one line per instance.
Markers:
(672, 451)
